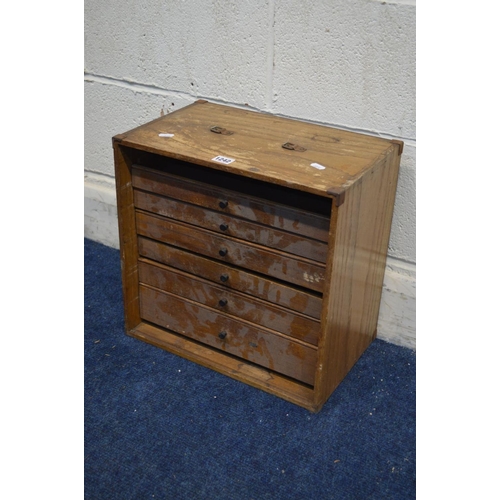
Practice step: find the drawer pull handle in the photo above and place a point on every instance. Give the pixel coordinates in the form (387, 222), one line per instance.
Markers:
(222, 335)
(223, 227)
(223, 252)
(222, 302)
(224, 277)
(223, 204)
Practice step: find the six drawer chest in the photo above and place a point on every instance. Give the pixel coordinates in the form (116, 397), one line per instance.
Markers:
(255, 245)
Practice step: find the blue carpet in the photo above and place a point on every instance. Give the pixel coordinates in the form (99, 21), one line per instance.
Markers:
(160, 427)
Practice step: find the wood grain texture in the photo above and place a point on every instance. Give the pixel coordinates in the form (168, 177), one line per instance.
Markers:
(299, 271)
(233, 367)
(256, 146)
(234, 303)
(127, 234)
(232, 226)
(252, 233)
(243, 339)
(356, 271)
(238, 279)
(271, 215)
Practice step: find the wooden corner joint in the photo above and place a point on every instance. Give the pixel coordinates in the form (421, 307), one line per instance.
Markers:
(400, 145)
(339, 195)
(119, 138)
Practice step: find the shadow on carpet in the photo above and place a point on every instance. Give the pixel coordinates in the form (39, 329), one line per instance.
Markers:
(160, 427)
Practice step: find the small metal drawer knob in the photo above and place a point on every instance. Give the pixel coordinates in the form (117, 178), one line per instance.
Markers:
(224, 277)
(223, 203)
(223, 227)
(222, 335)
(223, 252)
(222, 302)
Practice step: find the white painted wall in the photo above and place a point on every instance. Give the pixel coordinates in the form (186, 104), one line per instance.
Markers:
(345, 63)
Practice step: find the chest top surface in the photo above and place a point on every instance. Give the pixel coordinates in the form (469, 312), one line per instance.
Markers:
(323, 160)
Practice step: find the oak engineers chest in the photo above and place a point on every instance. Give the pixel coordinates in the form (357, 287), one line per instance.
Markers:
(255, 245)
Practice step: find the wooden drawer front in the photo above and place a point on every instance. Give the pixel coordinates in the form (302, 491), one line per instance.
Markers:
(232, 226)
(235, 279)
(233, 203)
(241, 339)
(301, 272)
(230, 302)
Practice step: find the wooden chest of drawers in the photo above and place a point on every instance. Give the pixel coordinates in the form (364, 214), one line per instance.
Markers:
(255, 245)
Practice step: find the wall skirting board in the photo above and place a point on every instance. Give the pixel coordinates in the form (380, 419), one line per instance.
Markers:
(101, 219)
(397, 320)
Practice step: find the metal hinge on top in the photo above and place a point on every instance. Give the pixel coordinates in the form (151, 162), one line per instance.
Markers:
(221, 130)
(293, 147)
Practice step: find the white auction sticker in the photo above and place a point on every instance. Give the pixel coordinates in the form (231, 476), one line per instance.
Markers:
(318, 166)
(223, 159)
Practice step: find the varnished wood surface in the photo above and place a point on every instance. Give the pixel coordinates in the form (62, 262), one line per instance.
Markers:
(299, 271)
(251, 208)
(356, 271)
(169, 211)
(232, 226)
(127, 235)
(256, 146)
(243, 339)
(238, 279)
(229, 302)
(233, 367)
